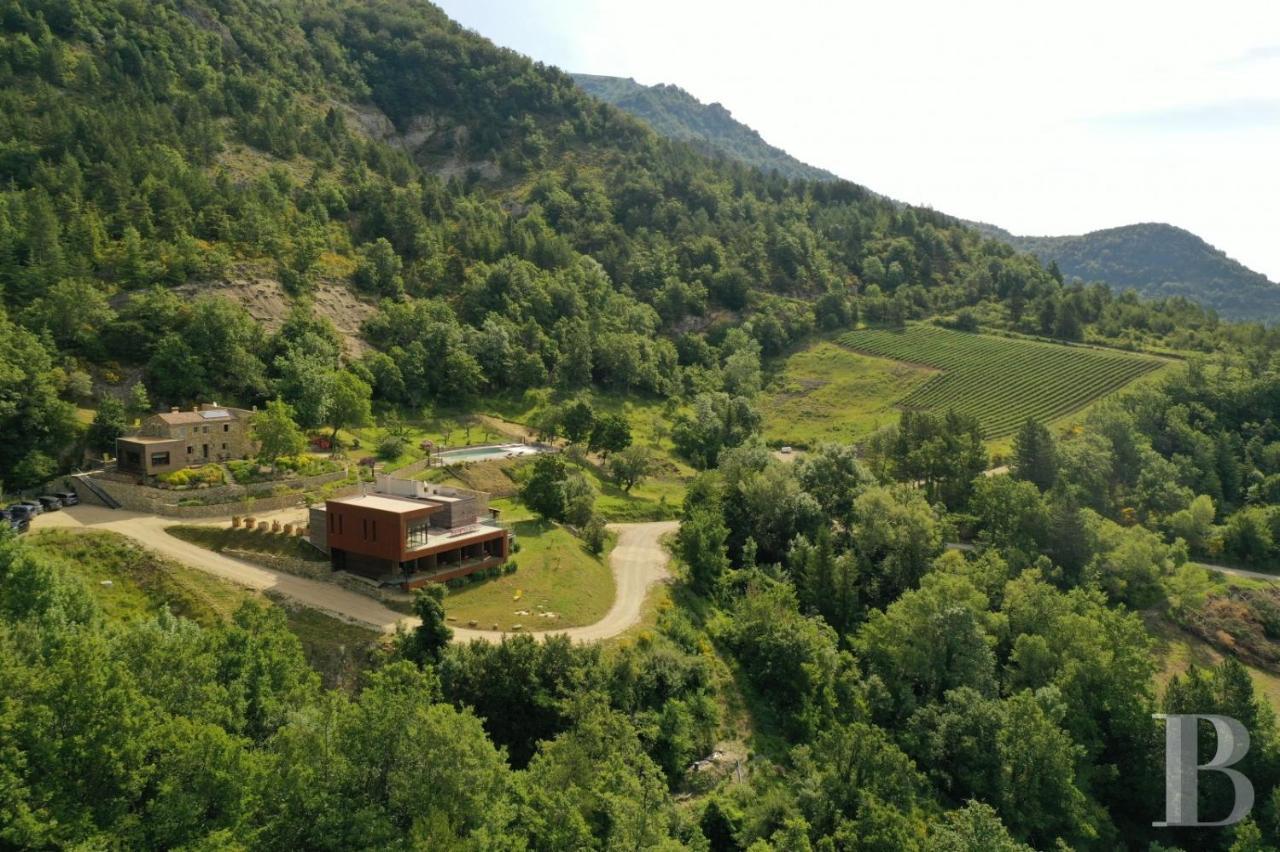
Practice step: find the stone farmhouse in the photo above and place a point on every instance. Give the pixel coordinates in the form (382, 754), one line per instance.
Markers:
(176, 439)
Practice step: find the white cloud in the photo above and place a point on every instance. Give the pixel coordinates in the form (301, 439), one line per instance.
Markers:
(1042, 118)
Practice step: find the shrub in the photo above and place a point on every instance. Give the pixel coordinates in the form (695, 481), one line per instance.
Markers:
(455, 582)
(390, 447)
(509, 568)
(190, 477)
(594, 535)
(243, 472)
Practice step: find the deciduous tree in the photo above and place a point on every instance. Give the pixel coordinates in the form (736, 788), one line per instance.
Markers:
(276, 432)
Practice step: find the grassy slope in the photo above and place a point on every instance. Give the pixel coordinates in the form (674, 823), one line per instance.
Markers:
(222, 538)
(131, 583)
(657, 498)
(142, 583)
(826, 392)
(556, 574)
(1177, 650)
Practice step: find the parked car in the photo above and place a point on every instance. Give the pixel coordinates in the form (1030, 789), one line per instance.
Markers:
(22, 510)
(33, 507)
(49, 503)
(68, 498)
(16, 521)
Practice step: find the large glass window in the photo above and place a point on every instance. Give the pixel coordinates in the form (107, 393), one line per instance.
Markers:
(159, 459)
(417, 535)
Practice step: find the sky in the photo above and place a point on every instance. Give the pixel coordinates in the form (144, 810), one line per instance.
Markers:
(1042, 118)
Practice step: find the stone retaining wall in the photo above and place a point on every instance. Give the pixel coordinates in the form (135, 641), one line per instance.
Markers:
(231, 493)
(154, 501)
(389, 595)
(287, 564)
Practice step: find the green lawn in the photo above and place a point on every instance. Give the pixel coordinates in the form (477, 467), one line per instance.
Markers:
(142, 583)
(657, 498)
(512, 510)
(556, 574)
(827, 392)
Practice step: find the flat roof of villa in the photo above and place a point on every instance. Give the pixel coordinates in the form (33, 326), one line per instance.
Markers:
(386, 503)
(148, 439)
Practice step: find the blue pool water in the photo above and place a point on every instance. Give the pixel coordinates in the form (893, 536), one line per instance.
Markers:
(499, 451)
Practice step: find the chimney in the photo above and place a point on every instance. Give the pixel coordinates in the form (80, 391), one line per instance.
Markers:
(174, 410)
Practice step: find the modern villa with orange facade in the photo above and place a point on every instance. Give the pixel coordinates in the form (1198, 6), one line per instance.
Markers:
(409, 533)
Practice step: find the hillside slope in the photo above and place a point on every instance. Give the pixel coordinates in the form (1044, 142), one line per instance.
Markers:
(1158, 261)
(188, 188)
(676, 114)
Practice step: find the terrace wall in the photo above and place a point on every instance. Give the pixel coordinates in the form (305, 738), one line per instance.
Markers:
(156, 501)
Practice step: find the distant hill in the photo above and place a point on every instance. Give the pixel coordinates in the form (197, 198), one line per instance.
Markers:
(1158, 261)
(1155, 259)
(676, 114)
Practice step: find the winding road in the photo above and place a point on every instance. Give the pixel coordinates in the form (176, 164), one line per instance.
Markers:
(638, 560)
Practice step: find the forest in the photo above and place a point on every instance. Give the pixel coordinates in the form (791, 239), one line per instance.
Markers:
(511, 236)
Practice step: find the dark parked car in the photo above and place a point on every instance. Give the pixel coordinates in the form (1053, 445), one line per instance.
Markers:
(68, 498)
(25, 511)
(49, 503)
(32, 507)
(16, 521)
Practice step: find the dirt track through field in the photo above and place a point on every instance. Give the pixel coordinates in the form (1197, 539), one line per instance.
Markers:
(638, 560)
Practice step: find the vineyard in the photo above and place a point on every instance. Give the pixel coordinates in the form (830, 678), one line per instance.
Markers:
(1002, 381)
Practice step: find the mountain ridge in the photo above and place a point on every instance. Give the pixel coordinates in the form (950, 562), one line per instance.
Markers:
(1158, 260)
(676, 114)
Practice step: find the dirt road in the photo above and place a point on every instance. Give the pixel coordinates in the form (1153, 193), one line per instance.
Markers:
(1240, 572)
(638, 561)
(1221, 569)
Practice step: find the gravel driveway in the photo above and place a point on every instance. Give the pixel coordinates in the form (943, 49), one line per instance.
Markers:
(639, 560)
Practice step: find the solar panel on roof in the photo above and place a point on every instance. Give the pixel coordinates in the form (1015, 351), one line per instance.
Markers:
(214, 414)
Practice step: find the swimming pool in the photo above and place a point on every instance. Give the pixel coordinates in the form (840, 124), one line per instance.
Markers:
(497, 451)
